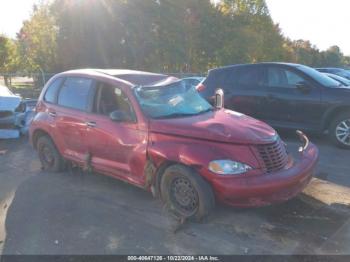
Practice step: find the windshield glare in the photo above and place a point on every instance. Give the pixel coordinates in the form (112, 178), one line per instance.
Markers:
(319, 77)
(341, 80)
(174, 100)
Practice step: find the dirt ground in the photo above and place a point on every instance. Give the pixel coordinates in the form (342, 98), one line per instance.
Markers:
(80, 213)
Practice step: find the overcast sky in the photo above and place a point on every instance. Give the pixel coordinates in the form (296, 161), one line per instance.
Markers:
(323, 22)
(12, 14)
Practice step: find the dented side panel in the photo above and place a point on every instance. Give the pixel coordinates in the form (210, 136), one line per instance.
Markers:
(197, 153)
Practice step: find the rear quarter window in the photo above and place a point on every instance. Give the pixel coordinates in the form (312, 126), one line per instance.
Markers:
(250, 76)
(75, 93)
(218, 79)
(51, 92)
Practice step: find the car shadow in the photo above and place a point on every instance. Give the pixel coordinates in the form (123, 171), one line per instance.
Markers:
(81, 213)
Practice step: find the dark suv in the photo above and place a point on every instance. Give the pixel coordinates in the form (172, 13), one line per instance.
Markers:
(285, 96)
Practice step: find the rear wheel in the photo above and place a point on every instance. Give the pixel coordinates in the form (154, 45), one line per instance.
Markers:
(50, 158)
(186, 193)
(340, 130)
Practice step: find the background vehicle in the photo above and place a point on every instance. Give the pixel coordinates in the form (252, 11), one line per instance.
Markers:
(8, 105)
(285, 96)
(341, 80)
(15, 114)
(158, 133)
(194, 80)
(337, 71)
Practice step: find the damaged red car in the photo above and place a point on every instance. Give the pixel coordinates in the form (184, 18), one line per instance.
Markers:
(156, 132)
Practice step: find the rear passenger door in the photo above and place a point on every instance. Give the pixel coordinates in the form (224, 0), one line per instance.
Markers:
(244, 90)
(73, 102)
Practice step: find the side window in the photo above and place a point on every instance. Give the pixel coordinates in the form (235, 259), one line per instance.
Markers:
(75, 92)
(111, 98)
(51, 92)
(293, 79)
(250, 77)
(280, 77)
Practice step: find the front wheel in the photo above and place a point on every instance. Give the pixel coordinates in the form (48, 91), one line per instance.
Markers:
(186, 193)
(340, 130)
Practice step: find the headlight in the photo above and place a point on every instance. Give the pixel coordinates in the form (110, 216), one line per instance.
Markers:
(228, 167)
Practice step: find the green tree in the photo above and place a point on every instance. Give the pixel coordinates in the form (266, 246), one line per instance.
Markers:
(37, 40)
(250, 35)
(160, 36)
(9, 58)
(333, 57)
(303, 52)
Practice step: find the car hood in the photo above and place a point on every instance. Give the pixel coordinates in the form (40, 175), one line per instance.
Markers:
(9, 103)
(220, 125)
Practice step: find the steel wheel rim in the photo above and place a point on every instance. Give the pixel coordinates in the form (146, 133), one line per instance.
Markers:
(342, 132)
(184, 196)
(46, 156)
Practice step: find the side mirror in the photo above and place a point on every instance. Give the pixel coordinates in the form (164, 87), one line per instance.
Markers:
(304, 87)
(120, 116)
(219, 98)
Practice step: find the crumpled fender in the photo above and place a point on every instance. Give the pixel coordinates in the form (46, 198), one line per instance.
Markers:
(185, 154)
(164, 150)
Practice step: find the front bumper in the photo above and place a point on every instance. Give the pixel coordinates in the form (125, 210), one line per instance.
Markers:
(9, 119)
(266, 189)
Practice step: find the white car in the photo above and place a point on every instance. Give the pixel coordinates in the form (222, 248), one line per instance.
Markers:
(9, 102)
(15, 113)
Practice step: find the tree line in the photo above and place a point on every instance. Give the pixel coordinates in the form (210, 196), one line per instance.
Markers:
(154, 35)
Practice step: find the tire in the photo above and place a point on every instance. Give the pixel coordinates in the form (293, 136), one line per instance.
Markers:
(198, 200)
(338, 127)
(51, 160)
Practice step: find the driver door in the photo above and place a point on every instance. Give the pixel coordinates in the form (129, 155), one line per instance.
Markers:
(115, 148)
(287, 105)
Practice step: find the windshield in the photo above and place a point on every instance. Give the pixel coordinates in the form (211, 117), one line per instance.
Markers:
(340, 79)
(343, 73)
(319, 77)
(175, 100)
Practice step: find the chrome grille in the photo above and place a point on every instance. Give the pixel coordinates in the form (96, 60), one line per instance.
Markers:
(274, 156)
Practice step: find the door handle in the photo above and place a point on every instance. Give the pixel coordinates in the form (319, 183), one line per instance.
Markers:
(52, 114)
(90, 124)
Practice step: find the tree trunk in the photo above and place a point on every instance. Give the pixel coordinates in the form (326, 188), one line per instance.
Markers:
(6, 80)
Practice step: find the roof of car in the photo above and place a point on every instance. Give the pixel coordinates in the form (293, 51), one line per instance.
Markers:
(264, 63)
(337, 68)
(133, 77)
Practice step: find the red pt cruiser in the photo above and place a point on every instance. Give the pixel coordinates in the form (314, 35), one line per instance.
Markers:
(156, 132)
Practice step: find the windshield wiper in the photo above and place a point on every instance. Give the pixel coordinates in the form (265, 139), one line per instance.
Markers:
(177, 115)
(174, 115)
